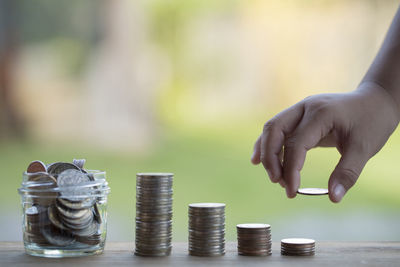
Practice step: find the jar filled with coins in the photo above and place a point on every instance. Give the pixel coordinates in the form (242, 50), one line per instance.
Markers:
(64, 209)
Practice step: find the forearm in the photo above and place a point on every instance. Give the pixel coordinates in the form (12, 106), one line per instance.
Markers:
(385, 69)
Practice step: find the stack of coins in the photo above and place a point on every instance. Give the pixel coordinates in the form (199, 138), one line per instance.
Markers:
(35, 220)
(297, 247)
(153, 214)
(207, 229)
(254, 239)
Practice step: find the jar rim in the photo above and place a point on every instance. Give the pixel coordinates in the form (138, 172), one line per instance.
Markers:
(97, 187)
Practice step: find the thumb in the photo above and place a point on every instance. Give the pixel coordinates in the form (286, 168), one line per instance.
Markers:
(346, 173)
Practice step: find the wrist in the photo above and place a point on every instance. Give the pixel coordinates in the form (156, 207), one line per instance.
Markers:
(378, 93)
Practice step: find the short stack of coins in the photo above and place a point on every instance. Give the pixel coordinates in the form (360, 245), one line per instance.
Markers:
(207, 229)
(254, 239)
(297, 247)
(153, 214)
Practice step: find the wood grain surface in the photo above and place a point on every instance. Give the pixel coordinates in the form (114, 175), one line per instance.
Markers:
(121, 254)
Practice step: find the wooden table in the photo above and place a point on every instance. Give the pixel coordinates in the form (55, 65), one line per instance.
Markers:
(336, 254)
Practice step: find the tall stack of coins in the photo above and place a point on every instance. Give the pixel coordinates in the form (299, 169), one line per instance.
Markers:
(254, 239)
(297, 247)
(207, 229)
(153, 214)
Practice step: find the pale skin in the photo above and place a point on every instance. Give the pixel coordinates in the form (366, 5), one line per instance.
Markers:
(357, 123)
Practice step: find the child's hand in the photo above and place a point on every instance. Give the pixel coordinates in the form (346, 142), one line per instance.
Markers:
(358, 124)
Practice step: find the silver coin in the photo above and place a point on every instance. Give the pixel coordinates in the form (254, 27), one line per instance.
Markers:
(154, 175)
(31, 211)
(207, 248)
(253, 226)
(57, 238)
(78, 223)
(257, 243)
(69, 180)
(54, 219)
(205, 227)
(208, 215)
(77, 205)
(293, 250)
(96, 213)
(206, 234)
(150, 237)
(152, 253)
(203, 243)
(255, 252)
(153, 249)
(152, 218)
(254, 247)
(297, 241)
(73, 214)
(58, 167)
(206, 221)
(88, 231)
(207, 205)
(255, 233)
(312, 191)
(89, 240)
(209, 241)
(206, 254)
(285, 253)
(155, 235)
(154, 241)
(79, 162)
(77, 227)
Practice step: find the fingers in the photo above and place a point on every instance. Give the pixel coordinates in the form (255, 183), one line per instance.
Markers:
(255, 158)
(306, 136)
(346, 173)
(273, 137)
(271, 145)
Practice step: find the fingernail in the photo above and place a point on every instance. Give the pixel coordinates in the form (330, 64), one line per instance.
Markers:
(339, 192)
(252, 156)
(289, 194)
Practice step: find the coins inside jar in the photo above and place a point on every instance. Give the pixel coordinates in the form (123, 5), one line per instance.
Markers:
(62, 212)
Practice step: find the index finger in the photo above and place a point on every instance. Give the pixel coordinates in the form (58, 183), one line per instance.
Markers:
(306, 136)
(273, 137)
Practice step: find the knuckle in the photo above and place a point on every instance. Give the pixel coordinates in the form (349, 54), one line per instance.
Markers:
(308, 98)
(319, 105)
(320, 109)
(269, 125)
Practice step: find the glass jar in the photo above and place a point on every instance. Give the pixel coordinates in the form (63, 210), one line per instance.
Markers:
(64, 216)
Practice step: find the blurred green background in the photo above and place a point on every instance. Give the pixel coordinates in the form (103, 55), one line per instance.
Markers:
(185, 86)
